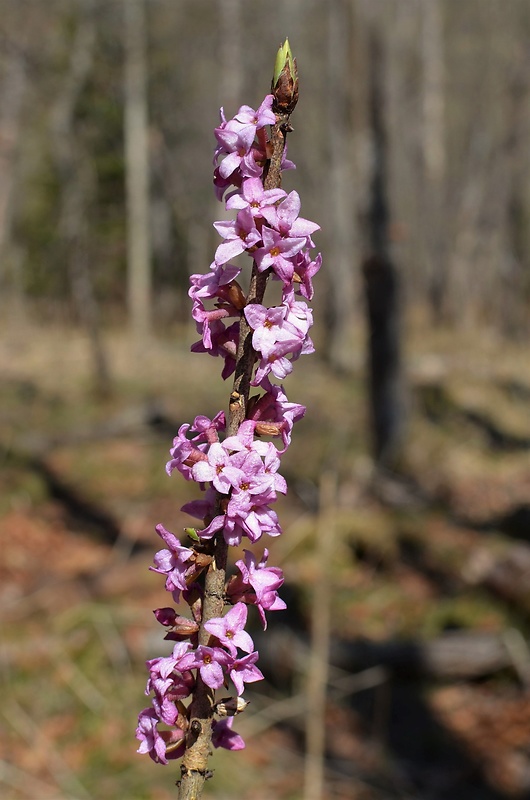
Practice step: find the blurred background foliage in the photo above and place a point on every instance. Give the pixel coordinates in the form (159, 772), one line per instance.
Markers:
(454, 99)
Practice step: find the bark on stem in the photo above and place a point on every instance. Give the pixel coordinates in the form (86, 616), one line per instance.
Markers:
(194, 768)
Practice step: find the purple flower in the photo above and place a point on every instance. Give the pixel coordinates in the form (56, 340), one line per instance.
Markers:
(276, 362)
(274, 406)
(236, 139)
(160, 746)
(246, 514)
(257, 584)
(204, 507)
(253, 517)
(222, 184)
(304, 270)
(286, 164)
(271, 465)
(206, 319)
(180, 452)
(165, 674)
(277, 252)
(239, 235)
(164, 705)
(218, 522)
(172, 563)
(243, 670)
(299, 316)
(244, 440)
(209, 284)
(210, 662)
(284, 218)
(263, 116)
(206, 428)
(150, 740)
(218, 469)
(254, 480)
(224, 736)
(254, 197)
(224, 344)
(230, 629)
(236, 144)
(270, 326)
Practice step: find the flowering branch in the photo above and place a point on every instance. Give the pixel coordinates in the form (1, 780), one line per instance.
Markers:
(229, 459)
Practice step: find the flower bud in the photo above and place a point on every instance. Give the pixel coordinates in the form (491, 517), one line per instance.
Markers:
(268, 428)
(284, 85)
(233, 293)
(230, 706)
(180, 627)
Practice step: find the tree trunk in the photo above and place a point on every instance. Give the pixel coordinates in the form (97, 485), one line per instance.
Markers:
(12, 91)
(382, 293)
(137, 173)
(342, 223)
(433, 148)
(76, 185)
(230, 57)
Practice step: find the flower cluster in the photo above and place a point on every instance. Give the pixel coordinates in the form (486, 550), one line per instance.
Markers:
(238, 473)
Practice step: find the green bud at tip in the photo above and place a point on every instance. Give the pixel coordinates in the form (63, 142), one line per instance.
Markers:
(284, 85)
(284, 54)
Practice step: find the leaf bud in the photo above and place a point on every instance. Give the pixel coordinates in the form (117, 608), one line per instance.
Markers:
(284, 85)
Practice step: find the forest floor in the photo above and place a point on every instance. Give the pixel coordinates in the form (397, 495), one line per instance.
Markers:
(430, 599)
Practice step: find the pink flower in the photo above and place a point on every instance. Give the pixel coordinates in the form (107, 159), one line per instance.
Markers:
(274, 406)
(230, 629)
(277, 252)
(257, 584)
(161, 670)
(155, 743)
(210, 283)
(276, 362)
(150, 740)
(270, 327)
(236, 144)
(223, 343)
(254, 197)
(304, 270)
(218, 469)
(263, 116)
(224, 736)
(284, 218)
(239, 235)
(210, 662)
(244, 440)
(173, 563)
(243, 670)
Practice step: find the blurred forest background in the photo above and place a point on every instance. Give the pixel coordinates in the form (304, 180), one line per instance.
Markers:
(409, 477)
